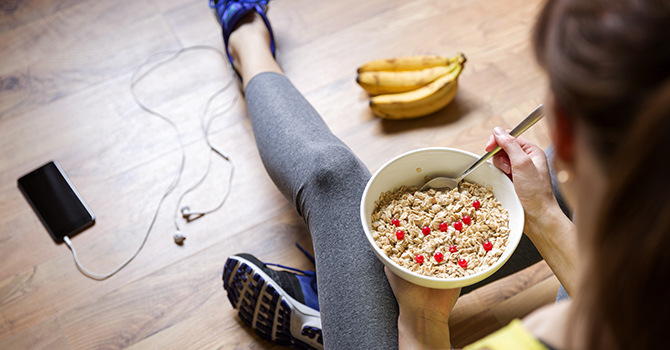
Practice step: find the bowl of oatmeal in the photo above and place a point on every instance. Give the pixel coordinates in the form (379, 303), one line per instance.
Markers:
(441, 238)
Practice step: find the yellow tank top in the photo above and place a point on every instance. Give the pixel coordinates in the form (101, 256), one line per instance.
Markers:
(512, 337)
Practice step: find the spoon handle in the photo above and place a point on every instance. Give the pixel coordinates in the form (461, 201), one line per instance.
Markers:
(525, 124)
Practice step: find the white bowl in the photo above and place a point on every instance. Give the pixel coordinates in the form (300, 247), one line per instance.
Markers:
(409, 169)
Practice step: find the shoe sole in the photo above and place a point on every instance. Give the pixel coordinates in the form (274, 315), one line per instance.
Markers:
(267, 309)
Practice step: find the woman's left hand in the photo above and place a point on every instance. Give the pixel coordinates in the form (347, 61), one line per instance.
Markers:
(423, 313)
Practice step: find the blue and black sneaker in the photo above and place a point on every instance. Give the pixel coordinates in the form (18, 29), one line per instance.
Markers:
(279, 305)
(230, 12)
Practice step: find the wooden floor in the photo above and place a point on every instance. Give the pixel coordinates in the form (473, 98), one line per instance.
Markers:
(65, 68)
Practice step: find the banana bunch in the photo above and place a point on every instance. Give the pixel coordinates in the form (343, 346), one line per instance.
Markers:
(410, 87)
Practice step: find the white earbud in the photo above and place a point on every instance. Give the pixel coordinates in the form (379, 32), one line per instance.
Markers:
(179, 238)
(185, 211)
(190, 216)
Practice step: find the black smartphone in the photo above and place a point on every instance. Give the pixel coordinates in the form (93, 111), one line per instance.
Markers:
(55, 201)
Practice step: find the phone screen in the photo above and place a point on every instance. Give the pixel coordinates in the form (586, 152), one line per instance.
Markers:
(55, 201)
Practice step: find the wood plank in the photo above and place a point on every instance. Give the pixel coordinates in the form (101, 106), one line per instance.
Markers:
(181, 291)
(14, 13)
(76, 47)
(104, 119)
(474, 328)
(417, 28)
(47, 335)
(31, 295)
(508, 287)
(525, 302)
(103, 123)
(466, 307)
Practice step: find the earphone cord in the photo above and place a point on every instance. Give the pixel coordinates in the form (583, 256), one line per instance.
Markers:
(134, 80)
(205, 129)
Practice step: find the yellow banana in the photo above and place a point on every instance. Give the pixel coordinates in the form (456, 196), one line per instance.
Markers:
(388, 82)
(419, 102)
(406, 63)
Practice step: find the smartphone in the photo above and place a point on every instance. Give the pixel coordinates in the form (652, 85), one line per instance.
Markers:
(55, 201)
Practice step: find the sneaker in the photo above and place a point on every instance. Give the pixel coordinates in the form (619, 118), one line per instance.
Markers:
(280, 306)
(229, 13)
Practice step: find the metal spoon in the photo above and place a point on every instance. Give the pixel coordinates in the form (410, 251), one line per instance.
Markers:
(449, 183)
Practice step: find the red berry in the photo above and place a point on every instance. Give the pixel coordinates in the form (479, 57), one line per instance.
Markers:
(488, 246)
(399, 235)
(419, 259)
(458, 225)
(425, 230)
(467, 220)
(439, 256)
(463, 263)
(444, 226)
(476, 204)
(395, 222)
(453, 249)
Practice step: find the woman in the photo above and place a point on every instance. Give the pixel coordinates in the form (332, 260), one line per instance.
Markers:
(609, 103)
(608, 63)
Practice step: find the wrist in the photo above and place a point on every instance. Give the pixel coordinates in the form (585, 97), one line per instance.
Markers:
(545, 218)
(555, 237)
(423, 330)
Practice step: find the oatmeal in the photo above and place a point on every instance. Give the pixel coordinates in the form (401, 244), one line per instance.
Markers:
(441, 234)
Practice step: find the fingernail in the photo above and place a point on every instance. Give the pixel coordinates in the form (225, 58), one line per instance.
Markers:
(498, 130)
(505, 168)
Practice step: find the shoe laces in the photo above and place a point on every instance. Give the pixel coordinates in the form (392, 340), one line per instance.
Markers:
(304, 272)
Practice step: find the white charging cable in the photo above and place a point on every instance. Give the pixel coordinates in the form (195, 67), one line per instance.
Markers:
(205, 124)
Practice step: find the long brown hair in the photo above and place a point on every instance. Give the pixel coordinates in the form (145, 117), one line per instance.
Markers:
(608, 63)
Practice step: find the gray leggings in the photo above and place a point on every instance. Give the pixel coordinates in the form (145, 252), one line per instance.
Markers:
(324, 180)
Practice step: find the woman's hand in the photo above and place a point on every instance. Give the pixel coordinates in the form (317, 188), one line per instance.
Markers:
(526, 165)
(423, 313)
(552, 233)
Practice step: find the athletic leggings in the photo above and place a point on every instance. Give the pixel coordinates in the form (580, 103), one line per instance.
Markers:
(324, 180)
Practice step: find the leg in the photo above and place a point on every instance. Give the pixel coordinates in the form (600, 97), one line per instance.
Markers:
(249, 46)
(325, 181)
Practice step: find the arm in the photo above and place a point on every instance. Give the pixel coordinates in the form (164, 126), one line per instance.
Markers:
(422, 323)
(553, 234)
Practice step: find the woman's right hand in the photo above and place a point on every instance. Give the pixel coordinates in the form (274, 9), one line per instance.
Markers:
(526, 165)
(553, 234)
